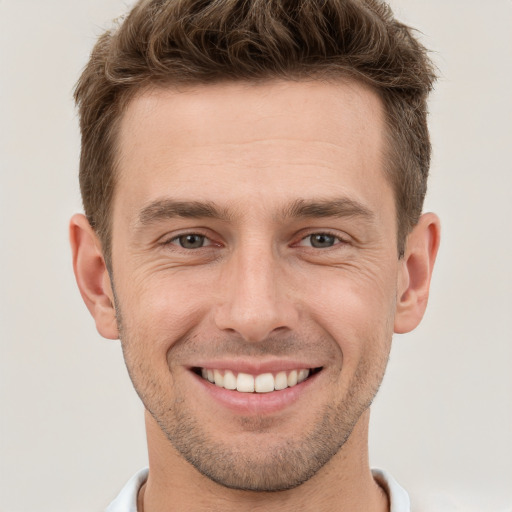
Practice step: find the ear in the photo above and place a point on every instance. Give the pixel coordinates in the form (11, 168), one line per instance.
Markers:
(416, 272)
(92, 276)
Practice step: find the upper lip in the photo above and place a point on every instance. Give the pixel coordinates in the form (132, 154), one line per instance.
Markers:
(254, 367)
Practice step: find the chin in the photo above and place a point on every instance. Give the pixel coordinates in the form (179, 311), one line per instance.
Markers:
(259, 460)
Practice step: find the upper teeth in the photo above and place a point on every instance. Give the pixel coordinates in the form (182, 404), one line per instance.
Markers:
(247, 383)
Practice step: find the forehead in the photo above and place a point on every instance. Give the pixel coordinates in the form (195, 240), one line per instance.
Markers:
(239, 141)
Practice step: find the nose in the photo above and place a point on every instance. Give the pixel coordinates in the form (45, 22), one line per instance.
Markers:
(255, 297)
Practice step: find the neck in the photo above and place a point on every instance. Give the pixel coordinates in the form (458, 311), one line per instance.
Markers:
(345, 483)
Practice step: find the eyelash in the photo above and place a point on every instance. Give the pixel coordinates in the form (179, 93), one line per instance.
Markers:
(338, 240)
(176, 240)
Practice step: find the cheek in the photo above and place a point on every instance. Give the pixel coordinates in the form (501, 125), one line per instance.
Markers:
(155, 318)
(356, 309)
(158, 311)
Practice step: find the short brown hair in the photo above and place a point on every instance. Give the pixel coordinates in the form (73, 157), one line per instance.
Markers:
(163, 42)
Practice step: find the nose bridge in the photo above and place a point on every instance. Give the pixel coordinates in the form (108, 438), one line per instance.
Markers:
(255, 301)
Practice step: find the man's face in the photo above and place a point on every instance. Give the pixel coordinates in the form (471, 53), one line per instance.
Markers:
(254, 236)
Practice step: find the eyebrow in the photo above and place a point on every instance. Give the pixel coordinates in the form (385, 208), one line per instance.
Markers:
(337, 207)
(168, 209)
(164, 209)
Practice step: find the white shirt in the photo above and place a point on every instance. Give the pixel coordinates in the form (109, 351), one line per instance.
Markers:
(126, 501)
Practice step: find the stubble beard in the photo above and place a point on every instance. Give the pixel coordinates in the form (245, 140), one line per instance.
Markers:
(268, 465)
(265, 465)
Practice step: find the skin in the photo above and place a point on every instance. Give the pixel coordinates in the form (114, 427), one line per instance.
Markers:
(245, 159)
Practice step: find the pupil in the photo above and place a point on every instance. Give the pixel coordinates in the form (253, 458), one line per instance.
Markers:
(322, 240)
(191, 241)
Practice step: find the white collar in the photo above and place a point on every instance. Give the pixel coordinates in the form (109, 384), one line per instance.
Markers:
(126, 500)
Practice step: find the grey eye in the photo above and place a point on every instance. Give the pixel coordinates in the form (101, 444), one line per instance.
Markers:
(191, 241)
(322, 240)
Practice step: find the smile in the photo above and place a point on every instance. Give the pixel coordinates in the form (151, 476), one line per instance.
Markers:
(262, 383)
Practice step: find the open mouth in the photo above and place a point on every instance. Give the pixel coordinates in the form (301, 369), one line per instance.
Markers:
(262, 383)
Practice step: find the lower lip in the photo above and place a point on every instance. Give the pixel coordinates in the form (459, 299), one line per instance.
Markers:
(255, 403)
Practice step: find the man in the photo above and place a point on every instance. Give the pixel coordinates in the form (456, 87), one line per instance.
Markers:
(253, 175)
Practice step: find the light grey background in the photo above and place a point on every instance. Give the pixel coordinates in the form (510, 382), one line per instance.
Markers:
(71, 428)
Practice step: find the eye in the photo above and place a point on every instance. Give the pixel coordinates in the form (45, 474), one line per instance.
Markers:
(320, 240)
(191, 241)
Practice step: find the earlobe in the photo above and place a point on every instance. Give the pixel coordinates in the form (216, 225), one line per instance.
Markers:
(416, 272)
(92, 276)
